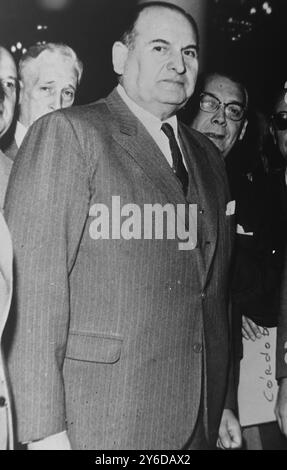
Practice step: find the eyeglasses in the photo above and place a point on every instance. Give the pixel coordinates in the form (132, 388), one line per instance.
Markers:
(210, 104)
(280, 121)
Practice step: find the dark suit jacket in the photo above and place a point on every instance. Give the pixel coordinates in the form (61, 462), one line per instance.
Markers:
(115, 339)
(12, 150)
(5, 169)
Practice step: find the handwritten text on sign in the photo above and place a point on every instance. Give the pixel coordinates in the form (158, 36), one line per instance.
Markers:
(257, 386)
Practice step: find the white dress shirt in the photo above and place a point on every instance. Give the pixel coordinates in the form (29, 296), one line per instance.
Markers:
(153, 125)
(20, 133)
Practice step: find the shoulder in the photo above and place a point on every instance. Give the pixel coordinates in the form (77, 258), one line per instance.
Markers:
(80, 122)
(205, 149)
(5, 163)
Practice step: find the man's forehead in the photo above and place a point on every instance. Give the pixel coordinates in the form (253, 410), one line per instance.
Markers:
(7, 64)
(54, 59)
(156, 21)
(50, 65)
(224, 88)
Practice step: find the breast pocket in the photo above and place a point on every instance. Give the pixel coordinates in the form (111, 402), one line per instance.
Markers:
(94, 347)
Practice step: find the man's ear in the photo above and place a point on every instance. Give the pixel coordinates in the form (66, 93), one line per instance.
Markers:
(243, 130)
(119, 55)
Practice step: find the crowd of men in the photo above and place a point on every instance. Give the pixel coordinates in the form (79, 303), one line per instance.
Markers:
(122, 342)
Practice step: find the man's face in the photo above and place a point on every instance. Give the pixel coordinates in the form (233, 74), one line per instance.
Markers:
(280, 136)
(221, 130)
(49, 82)
(8, 78)
(159, 71)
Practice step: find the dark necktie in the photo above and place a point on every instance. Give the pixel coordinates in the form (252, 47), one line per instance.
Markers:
(178, 165)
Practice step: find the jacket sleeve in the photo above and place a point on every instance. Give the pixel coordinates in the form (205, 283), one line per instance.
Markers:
(46, 208)
(230, 400)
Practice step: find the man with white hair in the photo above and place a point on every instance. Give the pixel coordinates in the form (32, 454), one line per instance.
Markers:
(49, 76)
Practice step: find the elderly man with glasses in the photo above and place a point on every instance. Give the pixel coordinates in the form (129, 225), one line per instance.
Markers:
(256, 273)
(222, 112)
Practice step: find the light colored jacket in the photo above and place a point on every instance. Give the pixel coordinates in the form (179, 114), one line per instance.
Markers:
(6, 431)
(5, 169)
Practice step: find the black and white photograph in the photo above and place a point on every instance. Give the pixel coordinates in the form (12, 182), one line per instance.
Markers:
(143, 227)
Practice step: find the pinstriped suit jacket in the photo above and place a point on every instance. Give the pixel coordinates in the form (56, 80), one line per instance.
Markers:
(109, 333)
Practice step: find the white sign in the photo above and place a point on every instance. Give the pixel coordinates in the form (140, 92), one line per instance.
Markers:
(258, 388)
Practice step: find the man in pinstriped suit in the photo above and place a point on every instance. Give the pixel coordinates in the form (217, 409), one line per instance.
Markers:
(8, 86)
(122, 343)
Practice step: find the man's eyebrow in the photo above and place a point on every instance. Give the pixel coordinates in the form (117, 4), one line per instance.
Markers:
(70, 86)
(192, 46)
(163, 41)
(228, 102)
(10, 77)
(167, 43)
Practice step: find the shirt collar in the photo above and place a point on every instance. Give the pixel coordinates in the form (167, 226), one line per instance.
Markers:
(148, 119)
(20, 133)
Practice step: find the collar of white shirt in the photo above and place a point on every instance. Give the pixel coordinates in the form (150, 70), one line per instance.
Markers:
(20, 133)
(152, 124)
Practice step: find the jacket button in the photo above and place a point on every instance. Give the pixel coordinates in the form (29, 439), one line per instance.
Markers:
(197, 348)
(2, 402)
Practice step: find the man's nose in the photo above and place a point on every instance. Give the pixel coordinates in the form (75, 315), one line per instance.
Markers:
(177, 63)
(219, 117)
(56, 102)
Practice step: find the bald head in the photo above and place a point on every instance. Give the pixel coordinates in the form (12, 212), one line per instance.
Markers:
(8, 82)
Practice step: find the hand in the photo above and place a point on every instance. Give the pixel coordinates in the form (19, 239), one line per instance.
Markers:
(230, 436)
(281, 406)
(250, 330)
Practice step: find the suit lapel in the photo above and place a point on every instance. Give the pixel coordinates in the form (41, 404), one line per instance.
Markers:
(135, 139)
(202, 191)
(128, 131)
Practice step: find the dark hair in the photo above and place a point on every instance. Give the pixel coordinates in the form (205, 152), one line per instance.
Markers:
(128, 32)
